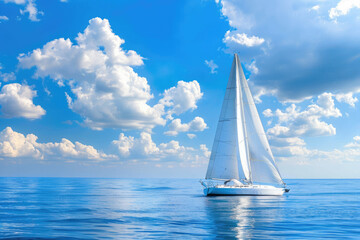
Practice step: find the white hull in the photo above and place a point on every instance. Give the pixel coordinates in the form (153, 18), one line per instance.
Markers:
(246, 190)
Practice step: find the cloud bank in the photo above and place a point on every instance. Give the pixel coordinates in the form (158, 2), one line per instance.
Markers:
(17, 145)
(303, 53)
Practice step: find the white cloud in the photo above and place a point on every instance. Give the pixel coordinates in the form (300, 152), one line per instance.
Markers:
(145, 149)
(279, 130)
(68, 150)
(15, 145)
(181, 98)
(32, 11)
(252, 67)
(343, 7)
(268, 113)
(205, 150)
(190, 135)
(212, 66)
(16, 100)
(355, 144)
(30, 8)
(347, 98)
(124, 144)
(303, 54)
(232, 37)
(294, 149)
(143, 146)
(4, 18)
(236, 40)
(105, 89)
(236, 17)
(195, 125)
(7, 77)
(240, 38)
(107, 92)
(285, 137)
(288, 147)
(307, 122)
(315, 8)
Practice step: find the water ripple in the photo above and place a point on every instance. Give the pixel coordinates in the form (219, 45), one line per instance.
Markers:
(66, 208)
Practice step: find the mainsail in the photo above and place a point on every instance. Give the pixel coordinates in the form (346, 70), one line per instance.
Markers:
(241, 149)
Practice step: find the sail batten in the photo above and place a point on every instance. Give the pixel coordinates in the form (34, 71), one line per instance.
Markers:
(240, 149)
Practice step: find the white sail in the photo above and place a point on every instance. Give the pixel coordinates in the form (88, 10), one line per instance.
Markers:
(228, 158)
(262, 163)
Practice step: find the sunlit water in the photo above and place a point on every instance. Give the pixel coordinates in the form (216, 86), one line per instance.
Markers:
(75, 208)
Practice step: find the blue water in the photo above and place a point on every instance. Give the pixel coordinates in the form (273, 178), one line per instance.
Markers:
(78, 208)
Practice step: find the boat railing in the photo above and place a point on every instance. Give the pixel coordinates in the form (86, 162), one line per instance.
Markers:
(213, 184)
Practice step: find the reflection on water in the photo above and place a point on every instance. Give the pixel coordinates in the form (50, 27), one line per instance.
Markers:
(174, 209)
(243, 217)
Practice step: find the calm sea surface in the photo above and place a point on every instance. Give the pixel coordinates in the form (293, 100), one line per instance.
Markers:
(80, 208)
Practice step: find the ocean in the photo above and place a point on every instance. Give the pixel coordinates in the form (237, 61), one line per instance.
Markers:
(94, 208)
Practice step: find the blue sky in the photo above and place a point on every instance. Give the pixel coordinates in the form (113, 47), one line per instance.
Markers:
(134, 88)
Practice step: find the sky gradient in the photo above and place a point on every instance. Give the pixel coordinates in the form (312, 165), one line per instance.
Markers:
(134, 88)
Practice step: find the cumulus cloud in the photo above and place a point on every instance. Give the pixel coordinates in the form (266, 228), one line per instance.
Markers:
(181, 98)
(237, 40)
(144, 148)
(242, 39)
(268, 113)
(343, 7)
(305, 54)
(7, 77)
(105, 89)
(295, 150)
(30, 8)
(16, 145)
(205, 150)
(196, 125)
(213, 66)
(283, 148)
(347, 98)
(236, 16)
(16, 100)
(294, 122)
(141, 146)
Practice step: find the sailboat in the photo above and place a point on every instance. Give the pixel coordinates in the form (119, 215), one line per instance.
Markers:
(241, 161)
